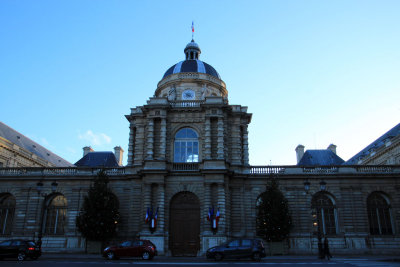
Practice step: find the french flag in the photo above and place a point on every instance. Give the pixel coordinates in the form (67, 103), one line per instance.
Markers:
(192, 26)
(147, 215)
(209, 214)
(154, 220)
(217, 216)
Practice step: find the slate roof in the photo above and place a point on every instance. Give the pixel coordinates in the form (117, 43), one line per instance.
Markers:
(22, 141)
(320, 157)
(98, 159)
(193, 65)
(395, 131)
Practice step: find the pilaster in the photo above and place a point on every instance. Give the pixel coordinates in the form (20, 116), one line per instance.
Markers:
(150, 139)
(163, 141)
(207, 140)
(245, 145)
(222, 208)
(220, 142)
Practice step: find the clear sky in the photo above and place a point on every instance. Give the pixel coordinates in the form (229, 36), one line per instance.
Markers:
(311, 72)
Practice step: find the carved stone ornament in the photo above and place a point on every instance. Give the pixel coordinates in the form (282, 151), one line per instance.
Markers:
(172, 93)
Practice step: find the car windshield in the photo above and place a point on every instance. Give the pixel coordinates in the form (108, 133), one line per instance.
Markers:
(234, 243)
(5, 243)
(125, 244)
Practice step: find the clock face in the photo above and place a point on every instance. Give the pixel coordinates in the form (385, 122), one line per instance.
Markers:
(188, 94)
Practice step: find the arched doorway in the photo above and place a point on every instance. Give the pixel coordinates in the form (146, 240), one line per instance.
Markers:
(184, 230)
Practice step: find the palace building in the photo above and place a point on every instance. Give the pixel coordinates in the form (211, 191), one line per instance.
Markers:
(187, 155)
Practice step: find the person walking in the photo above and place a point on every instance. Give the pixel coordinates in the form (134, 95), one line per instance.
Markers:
(327, 254)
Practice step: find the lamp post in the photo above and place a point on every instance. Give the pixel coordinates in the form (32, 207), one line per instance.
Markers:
(315, 213)
(39, 188)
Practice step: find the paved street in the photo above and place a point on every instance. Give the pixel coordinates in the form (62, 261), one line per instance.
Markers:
(79, 260)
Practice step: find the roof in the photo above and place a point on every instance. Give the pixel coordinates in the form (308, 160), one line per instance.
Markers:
(98, 159)
(22, 141)
(193, 65)
(380, 142)
(320, 157)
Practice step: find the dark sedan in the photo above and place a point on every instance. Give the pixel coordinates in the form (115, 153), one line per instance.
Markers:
(238, 248)
(20, 249)
(131, 248)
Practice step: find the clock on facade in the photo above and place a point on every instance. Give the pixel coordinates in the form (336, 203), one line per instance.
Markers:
(188, 94)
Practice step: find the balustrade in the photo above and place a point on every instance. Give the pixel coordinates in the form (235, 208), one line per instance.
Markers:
(192, 166)
(186, 103)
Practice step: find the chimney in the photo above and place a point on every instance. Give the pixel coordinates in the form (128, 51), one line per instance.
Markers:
(119, 153)
(332, 147)
(86, 150)
(299, 152)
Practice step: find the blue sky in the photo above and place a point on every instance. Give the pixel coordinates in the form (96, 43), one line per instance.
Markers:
(311, 72)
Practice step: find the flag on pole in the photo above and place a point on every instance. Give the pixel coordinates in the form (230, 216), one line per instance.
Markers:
(192, 26)
(209, 214)
(147, 215)
(217, 218)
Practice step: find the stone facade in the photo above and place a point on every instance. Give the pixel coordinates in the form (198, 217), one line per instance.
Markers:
(17, 150)
(214, 172)
(12, 155)
(234, 191)
(388, 154)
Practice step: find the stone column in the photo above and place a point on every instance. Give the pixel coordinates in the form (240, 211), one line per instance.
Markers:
(207, 205)
(140, 138)
(150, 139)
(236, 141)
(220, 142)
(163, 142)
(222, 209)
(245, 146)
(161, 207)
(207, 139)
(146, 204)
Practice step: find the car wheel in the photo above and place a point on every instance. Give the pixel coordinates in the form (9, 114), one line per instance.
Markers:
(146, 255)
(21, 256)
(218, 256)
(110, 255)
(257, 256)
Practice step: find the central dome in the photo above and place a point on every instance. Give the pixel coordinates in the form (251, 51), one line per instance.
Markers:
(192, 63)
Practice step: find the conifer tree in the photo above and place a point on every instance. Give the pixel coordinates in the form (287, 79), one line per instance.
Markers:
(273, 217)
(99, 215)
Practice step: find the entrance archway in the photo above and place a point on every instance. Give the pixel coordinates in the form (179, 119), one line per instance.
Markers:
(184, 229)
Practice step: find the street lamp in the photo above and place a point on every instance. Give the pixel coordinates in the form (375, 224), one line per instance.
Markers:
(39, 188)
(315, 213)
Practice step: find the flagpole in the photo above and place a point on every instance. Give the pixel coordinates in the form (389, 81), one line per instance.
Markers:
(192, 30)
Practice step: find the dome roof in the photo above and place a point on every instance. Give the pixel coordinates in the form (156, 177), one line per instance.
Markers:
(192, 45)
(192, 63)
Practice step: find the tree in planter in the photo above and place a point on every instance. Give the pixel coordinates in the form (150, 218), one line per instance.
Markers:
(99, 215)
(273, 218)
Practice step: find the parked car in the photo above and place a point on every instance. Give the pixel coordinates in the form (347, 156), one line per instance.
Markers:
(20, 249)
(131, 248)
(238, 248)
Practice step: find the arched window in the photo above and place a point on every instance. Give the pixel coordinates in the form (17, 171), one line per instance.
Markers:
(326, 212)
(379, 215)
(186, 146)
(7, 209)
(56, 215)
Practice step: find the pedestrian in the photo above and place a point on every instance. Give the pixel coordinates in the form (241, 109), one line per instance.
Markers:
(326, 249)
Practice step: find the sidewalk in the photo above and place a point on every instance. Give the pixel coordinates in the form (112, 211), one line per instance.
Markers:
(80, 256)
